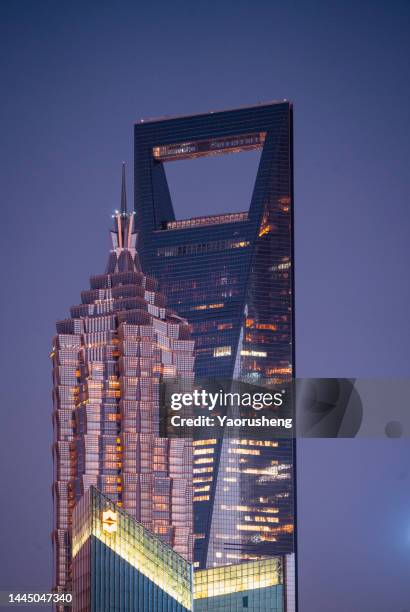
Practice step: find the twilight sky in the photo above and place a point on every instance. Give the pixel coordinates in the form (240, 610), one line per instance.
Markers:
(74, 77)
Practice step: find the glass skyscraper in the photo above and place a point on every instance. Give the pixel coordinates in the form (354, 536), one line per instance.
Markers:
(108, 359)
(231, 276)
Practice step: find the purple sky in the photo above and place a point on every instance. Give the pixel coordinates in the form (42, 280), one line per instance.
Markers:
(75, 76)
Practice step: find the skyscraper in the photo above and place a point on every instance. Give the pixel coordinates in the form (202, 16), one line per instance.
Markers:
(108, 359)
(231, 276)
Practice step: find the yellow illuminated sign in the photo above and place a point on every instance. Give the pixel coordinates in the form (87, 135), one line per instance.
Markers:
(109, 521)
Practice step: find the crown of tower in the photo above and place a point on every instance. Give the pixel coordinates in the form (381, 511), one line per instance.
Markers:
(123, 255)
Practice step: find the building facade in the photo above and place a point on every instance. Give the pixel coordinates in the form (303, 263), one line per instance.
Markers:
(108, 360)
(118, 565)
(231, 277)
(256, 586)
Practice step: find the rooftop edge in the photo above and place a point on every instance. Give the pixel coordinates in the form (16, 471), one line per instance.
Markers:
(212, 112)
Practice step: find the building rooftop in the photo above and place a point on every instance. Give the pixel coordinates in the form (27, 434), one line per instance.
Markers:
(212, 112)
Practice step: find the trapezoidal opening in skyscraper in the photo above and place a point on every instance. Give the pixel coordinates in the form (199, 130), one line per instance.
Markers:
(205, 186)
(216, 181)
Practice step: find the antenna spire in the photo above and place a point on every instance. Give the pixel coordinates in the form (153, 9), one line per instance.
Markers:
(123, 192)
(123, 236)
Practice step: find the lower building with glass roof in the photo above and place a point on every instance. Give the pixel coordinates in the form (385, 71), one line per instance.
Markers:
(119, 565)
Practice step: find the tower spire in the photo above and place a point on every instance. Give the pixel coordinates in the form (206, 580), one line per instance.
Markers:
(123, 192)
(123, 256)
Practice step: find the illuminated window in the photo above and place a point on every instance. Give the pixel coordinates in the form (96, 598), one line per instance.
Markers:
(287, 370)
(201, 489)
(202, 470)
(201, 498)
(244, 451)
(254, 528)
(261, 519)
(207, 306)
(247, 353)
(204, 451)
(268, 443)
(222, 351)
(203, 442)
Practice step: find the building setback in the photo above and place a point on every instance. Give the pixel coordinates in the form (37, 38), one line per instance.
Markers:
(108, 359)
(231, 277)
(256, 586)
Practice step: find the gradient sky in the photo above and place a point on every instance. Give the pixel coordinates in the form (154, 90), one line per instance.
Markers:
(75, 76)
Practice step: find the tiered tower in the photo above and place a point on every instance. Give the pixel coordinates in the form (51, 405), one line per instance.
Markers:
(108, 360)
